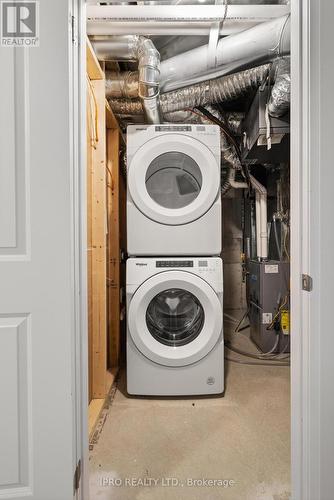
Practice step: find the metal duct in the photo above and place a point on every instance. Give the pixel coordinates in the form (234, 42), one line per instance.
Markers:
(116, 48)
(209, 92)
(279, 102)
(141, 49)
(258, 45)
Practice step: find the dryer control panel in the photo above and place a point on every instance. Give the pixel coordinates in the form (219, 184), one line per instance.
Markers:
(174, 263)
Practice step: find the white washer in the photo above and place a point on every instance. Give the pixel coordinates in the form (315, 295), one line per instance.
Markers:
(175, 343)
(173, 196)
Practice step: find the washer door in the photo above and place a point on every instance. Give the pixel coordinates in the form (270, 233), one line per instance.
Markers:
(173, 179)
(175, 318)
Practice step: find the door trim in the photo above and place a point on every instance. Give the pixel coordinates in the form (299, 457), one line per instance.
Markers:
(300, 255)
(301, 474)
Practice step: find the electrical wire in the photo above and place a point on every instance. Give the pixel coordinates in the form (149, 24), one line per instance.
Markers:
(250, 354)
(279, 251)
(284, 242)
(238, 329)
(268, 356)
(278, 313)
(222, 125)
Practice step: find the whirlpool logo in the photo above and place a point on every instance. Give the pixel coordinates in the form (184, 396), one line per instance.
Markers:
(141, 264)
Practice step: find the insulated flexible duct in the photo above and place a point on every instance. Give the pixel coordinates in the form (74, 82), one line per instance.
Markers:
(209, 92)
(279, 102)
(221, 89)
(123, 84)
(141, 49)
(229, 155)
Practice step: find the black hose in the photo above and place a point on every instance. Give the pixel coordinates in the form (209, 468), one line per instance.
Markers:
(222, 125)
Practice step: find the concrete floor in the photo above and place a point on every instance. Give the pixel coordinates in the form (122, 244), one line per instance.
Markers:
(243, 437)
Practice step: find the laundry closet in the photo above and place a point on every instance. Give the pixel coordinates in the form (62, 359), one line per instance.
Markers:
(188, 249)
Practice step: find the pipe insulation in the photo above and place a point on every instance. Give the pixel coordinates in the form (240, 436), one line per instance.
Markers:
(141, 49)
(279, 102)
(221, 89)
(252, 47)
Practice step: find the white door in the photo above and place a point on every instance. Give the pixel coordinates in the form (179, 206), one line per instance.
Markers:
(175, 318)
(174, 179)
(37, 324)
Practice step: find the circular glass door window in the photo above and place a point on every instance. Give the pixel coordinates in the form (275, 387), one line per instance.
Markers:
(175, 317)
(173, 179)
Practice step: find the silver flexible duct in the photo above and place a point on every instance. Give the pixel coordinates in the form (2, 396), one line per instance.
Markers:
(279, 102)
(234, 120)
(126, 106)
(229, 156)
(141, 49)
(221, 89)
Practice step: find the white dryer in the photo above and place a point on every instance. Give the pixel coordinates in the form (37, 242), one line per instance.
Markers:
(173, 196)
(175, 343)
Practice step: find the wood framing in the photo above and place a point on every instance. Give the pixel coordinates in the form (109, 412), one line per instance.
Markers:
(103, 238)
(97, 244)
(94, 70)
(113, 246)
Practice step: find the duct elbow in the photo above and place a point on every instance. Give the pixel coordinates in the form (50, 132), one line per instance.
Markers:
(149, 79)
(143, 84)
(279, 102)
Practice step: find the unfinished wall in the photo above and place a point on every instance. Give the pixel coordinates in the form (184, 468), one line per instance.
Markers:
(234, 286)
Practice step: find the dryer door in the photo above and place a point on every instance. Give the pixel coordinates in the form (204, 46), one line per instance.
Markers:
(174, 179)
(175, 318)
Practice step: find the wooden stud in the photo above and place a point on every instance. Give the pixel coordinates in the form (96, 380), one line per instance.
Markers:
(114, 251)
(97, 249)
(94, 410)
(111, 121)
(94, 70)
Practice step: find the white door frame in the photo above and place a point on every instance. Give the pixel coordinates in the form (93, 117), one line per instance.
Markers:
(306, 454)
(312, 180)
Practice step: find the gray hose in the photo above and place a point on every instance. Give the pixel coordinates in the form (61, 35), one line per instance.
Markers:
(263, 356)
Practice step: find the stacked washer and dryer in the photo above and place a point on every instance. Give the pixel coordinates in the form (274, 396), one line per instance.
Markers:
(174, 278)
